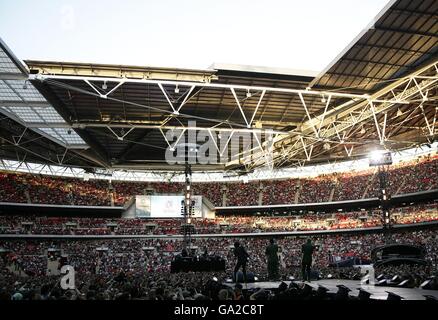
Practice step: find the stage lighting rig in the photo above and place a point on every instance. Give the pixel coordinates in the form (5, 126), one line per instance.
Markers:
(187, 208)
(382, 159)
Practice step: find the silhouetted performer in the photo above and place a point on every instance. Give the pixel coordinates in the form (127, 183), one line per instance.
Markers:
(307, 251)
(273, 261)
(242, 259)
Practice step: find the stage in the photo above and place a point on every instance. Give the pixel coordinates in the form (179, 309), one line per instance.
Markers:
(377, 293)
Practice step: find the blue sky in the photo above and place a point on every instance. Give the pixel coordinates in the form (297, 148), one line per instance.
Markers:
(305, 34)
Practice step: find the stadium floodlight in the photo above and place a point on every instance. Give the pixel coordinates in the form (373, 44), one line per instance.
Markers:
(379, 158)
(376, 155)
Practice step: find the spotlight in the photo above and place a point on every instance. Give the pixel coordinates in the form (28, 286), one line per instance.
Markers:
(69, 131)
(25, 85)
(323, 100)
(326, 146)
(362, 131)
(176, 89)
(104, 86)
(248, 94)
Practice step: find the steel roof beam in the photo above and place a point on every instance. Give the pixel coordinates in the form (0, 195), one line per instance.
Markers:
(43, 77)
(331, 122)
(102, 157)
(406, 31)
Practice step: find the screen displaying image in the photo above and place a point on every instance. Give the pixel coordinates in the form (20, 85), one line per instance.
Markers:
(170, 206)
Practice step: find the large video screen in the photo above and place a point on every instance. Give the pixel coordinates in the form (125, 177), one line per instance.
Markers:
(165, 206)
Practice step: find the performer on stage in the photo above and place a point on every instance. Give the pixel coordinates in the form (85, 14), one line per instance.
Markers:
(273, 261)
(306, 262)
(242, 259)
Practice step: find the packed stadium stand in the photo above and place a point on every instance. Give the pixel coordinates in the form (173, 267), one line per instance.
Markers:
(143, 265)
(407, 177)
(43, 225)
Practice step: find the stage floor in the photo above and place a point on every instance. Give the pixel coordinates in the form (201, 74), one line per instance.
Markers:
(378, 293)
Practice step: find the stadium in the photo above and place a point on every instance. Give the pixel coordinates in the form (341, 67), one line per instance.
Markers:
(233, 182)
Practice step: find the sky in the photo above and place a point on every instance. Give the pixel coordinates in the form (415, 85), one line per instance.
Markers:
(304, 34)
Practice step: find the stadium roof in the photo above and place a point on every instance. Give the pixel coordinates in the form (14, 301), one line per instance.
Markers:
(401, 38)
(26, 118)
(379, 92)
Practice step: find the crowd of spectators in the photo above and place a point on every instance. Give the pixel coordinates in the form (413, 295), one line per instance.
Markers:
(31, 224)
(316, 190)
(406, 177)
(280, 191)
(139, 268)
(243, 194)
